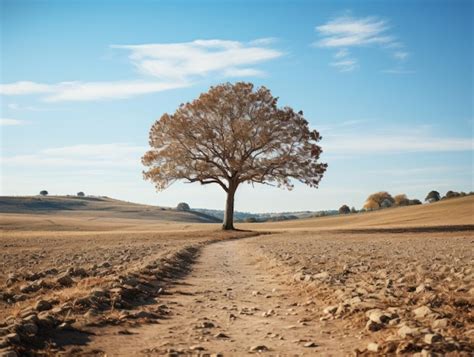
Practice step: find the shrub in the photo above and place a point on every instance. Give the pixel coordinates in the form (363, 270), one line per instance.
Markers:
(401, 200)
(451, 194)
(81, 194)
(379, 200)
(433, 196)
(371, 205)
(44, 193)
(386, 203)
(183, 206)
(344, 209)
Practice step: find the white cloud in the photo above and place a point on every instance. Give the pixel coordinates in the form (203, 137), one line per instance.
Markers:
(87, 156)
(181, 61)
(77, 91)
(346, 31)
(398, 70)
(329, 127)
(343, 62)
(83, 91)
(243, 72)
(11, 122)
(170, 66)
(25, 87)
(264, 41)
(346, 65)
(343, 52)
(401, 55)
(373, 143)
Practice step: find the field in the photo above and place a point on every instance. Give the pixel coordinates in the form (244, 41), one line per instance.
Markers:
(105, 277)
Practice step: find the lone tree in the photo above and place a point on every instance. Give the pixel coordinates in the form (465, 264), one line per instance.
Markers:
(344, 209)
(233, 134)
(81, 194)
(183, 206)
(433, 196)
(44, 193)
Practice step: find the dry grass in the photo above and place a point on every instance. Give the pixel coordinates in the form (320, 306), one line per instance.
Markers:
(453, 212)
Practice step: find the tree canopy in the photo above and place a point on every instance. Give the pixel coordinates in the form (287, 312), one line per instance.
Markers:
(379, 200)
(344, 209)
(230, 135)
(433, 196)
(183, 206)
(401, 200)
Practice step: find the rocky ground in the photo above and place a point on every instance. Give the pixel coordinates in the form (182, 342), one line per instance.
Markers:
(203, 293)
(405, 293)
(51, 282)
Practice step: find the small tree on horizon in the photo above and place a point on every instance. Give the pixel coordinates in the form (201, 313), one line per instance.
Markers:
(433, 196)
(378, 200)
(401, 200)
(183, 206)
(453, 194)
(344, 209)
(230, 135)
(81, 194)
(44, 193)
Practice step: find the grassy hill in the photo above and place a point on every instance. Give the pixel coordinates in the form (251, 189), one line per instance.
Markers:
(452, 212)
(57, 208)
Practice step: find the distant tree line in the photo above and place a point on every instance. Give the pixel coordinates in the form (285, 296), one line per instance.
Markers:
(46, 193)
(383, 199)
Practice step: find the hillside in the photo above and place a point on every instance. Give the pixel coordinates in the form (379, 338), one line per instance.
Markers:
(101, 208)
(453, 212)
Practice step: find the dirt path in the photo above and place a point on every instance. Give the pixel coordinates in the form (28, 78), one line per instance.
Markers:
(232, 301)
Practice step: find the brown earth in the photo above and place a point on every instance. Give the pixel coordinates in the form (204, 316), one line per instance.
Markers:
(326, 286)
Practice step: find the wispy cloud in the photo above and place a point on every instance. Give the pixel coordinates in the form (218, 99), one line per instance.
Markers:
(346, 32)
(18, 107)
(421, 171)
(11, 122)
(84, 91)
(342, 53)
(401, 55)
(329, 127)
(345, 65)
(187, 60)
(343, 62)
(372, 143)
(87, 156)
(165, 67)
(398, 70)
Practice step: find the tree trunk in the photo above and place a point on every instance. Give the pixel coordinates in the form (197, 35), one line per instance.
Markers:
(228, 223)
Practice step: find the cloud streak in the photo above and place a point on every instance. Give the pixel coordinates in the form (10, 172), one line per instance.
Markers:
(11, 122)
(347, 32)
(87, 91)
(182, 61)
(86, 156)
(348, 144)
(165, 67)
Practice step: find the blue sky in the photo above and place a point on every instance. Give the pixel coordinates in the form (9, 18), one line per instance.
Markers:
(388, 84)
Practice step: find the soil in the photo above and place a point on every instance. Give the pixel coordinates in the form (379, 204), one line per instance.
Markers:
(231, 302)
